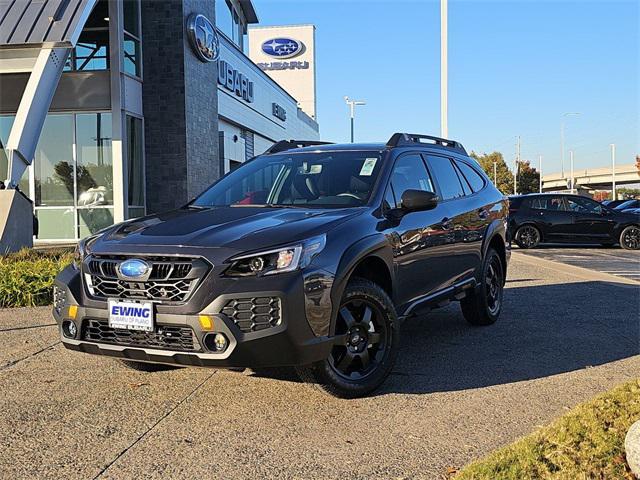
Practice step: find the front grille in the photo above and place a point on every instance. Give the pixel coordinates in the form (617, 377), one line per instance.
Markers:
(165, 337)
(254, 314)
(171, 279)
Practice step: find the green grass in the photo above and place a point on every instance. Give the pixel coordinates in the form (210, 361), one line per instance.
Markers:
(586, 443)
(26, 277)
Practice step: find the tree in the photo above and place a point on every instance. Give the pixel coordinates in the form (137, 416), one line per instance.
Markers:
(528, 178)
(504, 176)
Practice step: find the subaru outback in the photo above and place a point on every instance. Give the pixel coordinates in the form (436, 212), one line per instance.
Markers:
(309, 256)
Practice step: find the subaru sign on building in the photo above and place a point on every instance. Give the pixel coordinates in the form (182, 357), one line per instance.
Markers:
(287, 54)
(143, 123)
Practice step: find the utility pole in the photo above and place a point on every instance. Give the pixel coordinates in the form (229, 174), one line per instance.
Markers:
(515, 170)
(352, 104)
(495, 174)
(613, 171)
(444, 71)
(571, 160)
(540, 171)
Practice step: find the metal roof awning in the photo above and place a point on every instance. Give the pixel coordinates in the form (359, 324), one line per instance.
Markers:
(45, 23)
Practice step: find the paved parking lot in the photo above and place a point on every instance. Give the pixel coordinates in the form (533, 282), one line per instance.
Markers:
(612, 260)
(456, 394)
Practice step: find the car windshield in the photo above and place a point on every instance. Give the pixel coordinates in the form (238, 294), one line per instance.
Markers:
(315, 179)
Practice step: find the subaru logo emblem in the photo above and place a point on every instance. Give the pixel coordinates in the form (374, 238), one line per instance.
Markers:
(134, 268)
(203, 37)
(282, 47)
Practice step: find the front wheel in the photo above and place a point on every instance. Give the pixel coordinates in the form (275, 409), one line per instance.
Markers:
(484, 304)
(630, 238)
(366, 343)
(528, 236)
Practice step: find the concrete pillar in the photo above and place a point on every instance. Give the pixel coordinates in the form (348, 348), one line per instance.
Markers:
(180, 103)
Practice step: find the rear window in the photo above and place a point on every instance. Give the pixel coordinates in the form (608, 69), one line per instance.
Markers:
(546, 203)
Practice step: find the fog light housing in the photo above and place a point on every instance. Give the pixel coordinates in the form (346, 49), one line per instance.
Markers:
(216, 342)
(69, 329)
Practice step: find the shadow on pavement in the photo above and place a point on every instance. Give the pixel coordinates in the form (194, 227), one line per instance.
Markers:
(544, 330)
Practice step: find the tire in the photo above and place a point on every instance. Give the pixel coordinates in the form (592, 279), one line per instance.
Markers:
(367, 342)
(630, 238)
(147, 367)
(484, 304)
(528, 236)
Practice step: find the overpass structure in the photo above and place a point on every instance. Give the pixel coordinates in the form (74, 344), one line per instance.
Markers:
(592, 178)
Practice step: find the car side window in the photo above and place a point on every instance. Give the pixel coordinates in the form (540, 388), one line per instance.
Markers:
(474, 178)
(466, 188)
(583, 205)
(446, 177)
(547, 203)
(409, 173)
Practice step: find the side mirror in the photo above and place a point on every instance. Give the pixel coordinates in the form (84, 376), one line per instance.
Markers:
(416, 200)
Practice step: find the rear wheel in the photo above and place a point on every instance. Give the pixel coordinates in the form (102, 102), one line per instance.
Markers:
(528, 236)
(630, 238)
(147, 367)
(483, 305)
(366, 343)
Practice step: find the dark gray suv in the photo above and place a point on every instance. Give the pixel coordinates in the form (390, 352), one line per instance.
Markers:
(309, 255)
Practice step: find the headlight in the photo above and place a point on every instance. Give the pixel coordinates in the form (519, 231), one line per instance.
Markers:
(279, 260)
(82, 250)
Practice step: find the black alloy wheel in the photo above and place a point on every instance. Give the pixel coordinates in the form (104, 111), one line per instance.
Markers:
(528, 236)
(361, 339)
(630, 238)
(483, 304)
(366, 343)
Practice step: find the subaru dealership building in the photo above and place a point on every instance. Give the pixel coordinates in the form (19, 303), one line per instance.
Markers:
(157, 100)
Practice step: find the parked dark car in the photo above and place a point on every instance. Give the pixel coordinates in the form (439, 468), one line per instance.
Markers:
(552, 217)
(309, 255)
(612, 203)
(627, 206)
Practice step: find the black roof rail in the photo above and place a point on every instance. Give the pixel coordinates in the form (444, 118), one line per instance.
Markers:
(398, 139)
(284, 145)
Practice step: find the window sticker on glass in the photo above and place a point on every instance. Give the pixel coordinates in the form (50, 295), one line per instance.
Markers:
(367, 167)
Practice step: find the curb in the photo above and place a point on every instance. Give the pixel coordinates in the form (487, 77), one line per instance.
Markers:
(579, 272)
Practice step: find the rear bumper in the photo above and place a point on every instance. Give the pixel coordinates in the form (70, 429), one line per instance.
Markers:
(291, 342)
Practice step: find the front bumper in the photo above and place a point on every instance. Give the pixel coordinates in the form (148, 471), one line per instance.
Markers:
(292, 342)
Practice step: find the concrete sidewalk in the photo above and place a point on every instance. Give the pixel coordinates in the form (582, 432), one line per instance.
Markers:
(456, 394)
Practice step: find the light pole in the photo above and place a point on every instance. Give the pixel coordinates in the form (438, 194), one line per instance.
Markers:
(571, 160)
(352, 104)
(444, 70)
(562, 137)
(495, 173)
(515, 170)
(613, 170)
(540, 168)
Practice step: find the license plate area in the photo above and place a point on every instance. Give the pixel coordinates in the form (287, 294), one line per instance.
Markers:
(131, 315)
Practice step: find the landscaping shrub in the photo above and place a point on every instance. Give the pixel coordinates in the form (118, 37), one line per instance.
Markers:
(26, 277)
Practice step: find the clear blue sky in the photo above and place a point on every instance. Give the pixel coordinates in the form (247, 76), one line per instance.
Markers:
(514, 68)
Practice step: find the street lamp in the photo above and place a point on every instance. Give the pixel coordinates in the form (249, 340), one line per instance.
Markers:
(352, 104)
(444, 70)
(540, 168)
(495, 173)
(572, 178)
(613, 170)
(562, 137)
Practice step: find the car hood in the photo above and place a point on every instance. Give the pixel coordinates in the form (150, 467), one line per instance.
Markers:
(234, 228)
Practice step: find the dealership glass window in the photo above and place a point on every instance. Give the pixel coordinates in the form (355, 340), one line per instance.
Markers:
(92, 49)
(132, 57)
(53, 165)
(135, 162)
(131, 13)
(224, 18)
(56, 223)
(94, 171)
(6, 122)
(92, 220)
